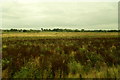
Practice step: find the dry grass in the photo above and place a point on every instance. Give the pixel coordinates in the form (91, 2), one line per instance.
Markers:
(29, 57)
(105, 72)
(62, 34)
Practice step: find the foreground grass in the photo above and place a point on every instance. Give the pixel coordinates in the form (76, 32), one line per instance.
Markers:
(60, 57)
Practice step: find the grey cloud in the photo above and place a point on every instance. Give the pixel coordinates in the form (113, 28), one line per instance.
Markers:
(51, 14)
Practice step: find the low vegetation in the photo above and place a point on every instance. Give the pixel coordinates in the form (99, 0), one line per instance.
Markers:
(74, 57)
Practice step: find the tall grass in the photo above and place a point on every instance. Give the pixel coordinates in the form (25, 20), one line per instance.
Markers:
(61, 58)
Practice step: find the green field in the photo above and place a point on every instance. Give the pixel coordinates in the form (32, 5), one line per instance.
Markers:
(61, 55)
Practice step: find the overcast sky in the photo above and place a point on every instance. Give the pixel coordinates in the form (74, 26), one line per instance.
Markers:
(77, 14)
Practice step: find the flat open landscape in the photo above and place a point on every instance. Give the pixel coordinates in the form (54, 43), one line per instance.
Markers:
(61, 55)
(60, 34)
(49, 39)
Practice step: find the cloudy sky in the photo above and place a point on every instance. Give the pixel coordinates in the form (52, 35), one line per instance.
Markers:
(77, 14)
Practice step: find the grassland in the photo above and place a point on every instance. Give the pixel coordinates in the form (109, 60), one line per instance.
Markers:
(60, 34)
(61, 55)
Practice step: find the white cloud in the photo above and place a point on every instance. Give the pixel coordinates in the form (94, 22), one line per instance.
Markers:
(30, 14)
(31, 1)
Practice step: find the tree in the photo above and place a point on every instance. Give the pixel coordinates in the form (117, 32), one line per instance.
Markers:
(42, 29)
(24, 30)
(82, 30)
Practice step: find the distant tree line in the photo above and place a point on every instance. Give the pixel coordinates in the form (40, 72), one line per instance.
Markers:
(58, 30)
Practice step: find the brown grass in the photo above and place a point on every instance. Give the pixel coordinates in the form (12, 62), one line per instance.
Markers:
(62, 34)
